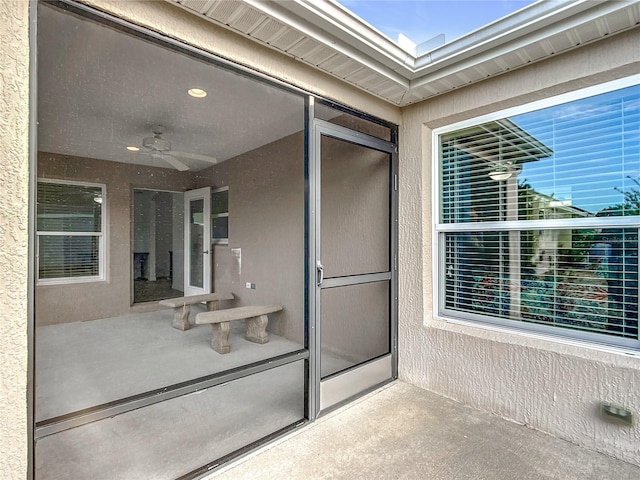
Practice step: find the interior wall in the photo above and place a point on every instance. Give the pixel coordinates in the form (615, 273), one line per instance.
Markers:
(553, 386)
(111, 297)
(266, 231)
(14, 237)
(178, 242)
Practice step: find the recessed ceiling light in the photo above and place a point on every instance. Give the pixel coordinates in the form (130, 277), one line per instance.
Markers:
(131, 148)
(197, 92)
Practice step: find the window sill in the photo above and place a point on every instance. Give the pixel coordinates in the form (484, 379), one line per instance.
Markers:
(69, 281)
(618, 356)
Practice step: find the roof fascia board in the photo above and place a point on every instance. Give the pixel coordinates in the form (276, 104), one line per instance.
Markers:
(336, 28)
(344, 25)
(531, 18)
(308, 21)
(467, 59)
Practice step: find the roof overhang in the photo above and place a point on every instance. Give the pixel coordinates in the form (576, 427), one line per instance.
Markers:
(330, 38)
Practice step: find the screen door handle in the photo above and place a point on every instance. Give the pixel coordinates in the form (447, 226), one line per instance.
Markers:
(320, 269)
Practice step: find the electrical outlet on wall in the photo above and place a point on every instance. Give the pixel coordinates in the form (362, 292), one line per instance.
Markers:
(251, 286)
(617, 414)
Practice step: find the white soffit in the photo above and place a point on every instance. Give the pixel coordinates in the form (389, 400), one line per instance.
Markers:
(329, 37)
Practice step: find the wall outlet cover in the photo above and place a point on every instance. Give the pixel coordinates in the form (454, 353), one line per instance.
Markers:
(617, 414)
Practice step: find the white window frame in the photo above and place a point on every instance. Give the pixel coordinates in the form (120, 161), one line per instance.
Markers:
(599, 340)
(102, 235)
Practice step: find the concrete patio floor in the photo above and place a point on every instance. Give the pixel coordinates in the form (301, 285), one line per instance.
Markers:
(404, 432)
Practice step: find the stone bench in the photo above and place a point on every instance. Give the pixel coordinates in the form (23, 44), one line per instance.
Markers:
(182, 305)
(220, 320)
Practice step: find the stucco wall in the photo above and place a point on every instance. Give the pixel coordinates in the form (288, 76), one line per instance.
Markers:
(266, 222)
(548, 385)
(14, 188)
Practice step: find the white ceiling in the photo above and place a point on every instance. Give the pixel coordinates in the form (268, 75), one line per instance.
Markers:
(100, 90)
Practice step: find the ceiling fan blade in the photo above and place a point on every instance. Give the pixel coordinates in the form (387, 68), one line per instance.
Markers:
(194, 156)
(174, 162)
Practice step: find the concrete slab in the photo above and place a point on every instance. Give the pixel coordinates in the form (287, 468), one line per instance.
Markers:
(404, 432)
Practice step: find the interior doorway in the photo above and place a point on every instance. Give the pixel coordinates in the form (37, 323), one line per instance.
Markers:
(158, 245)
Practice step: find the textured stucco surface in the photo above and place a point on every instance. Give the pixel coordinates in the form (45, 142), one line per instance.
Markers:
(14, 118)
(549, 385)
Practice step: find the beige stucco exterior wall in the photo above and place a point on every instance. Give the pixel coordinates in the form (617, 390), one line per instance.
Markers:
(14, 188)
(548, 385)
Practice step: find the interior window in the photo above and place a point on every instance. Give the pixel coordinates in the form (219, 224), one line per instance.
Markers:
(70, 231)
(220, 215)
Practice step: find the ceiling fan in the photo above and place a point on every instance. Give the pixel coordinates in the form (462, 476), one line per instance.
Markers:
(160, 148)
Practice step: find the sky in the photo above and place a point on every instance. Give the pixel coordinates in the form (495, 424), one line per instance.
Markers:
(421, 20)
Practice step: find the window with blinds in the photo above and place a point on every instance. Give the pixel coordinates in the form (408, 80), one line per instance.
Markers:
(220, 215)
(539, 216)
(69, 231)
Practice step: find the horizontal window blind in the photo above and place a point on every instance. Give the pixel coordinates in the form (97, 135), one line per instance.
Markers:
(68, 256)
(69, 208)
(574, 160)
(582, 279)
(69, 224)
(578, 160)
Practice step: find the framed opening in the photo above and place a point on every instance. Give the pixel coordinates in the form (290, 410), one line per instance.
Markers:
(135, 177)
(206, 248)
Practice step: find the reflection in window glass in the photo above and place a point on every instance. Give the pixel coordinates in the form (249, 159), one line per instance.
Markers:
(575, 164)
(220, 201)
(573, 160)
(196, 218)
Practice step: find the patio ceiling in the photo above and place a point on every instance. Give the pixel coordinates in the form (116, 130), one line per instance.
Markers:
(329, 37)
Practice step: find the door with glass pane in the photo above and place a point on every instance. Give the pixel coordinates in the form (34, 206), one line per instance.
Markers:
(197, 241)
(355, 294)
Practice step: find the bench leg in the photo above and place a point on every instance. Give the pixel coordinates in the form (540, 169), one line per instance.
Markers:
(181, 317)
(220, 340)
(257, 329)
(212, 305)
